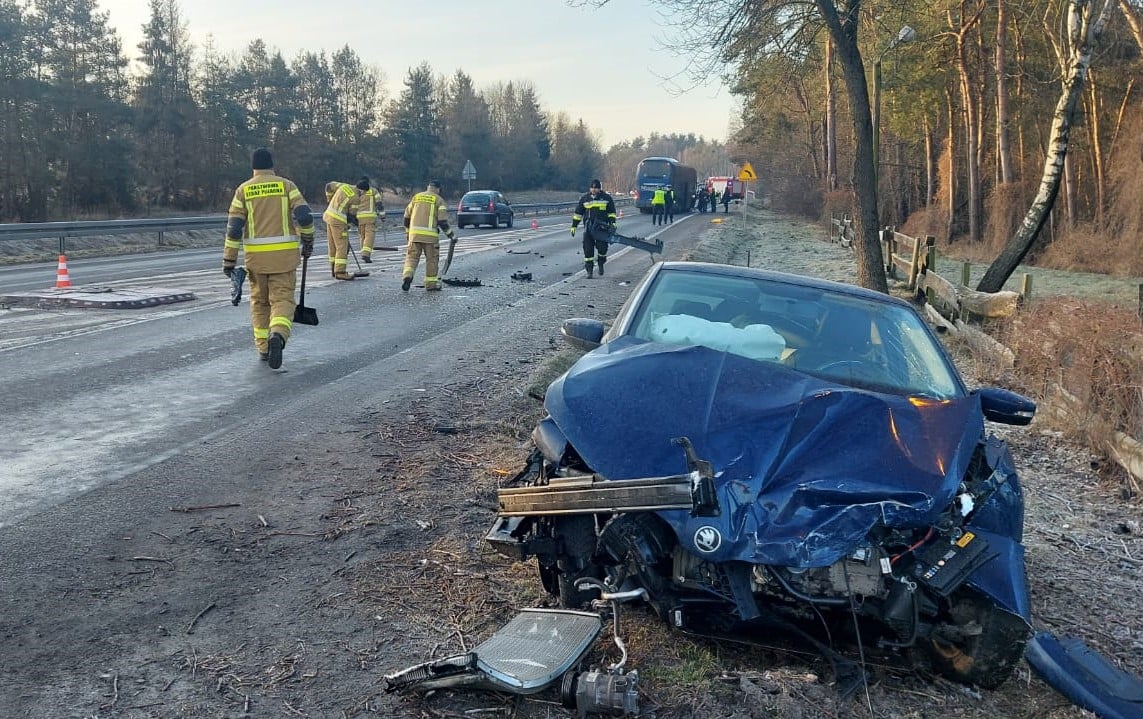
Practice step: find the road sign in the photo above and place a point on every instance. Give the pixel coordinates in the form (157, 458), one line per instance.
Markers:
(469, 171)
(746, 174)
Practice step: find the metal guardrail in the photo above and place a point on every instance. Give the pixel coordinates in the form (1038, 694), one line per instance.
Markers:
(161, 225)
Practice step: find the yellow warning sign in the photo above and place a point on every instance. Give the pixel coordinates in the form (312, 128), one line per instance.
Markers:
(746, 174)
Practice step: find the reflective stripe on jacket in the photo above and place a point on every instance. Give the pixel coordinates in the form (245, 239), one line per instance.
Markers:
(269, 238)
(341, 198)
(369, 204)
(424, 213)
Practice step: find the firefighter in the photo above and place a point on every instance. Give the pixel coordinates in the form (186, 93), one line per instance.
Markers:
(266, 217)
(369, 214)
(596, 210)
(342, 198)
(669, 204)
(425, 217)
(658, 206)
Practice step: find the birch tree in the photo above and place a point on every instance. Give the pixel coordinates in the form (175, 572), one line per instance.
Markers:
(1086, 21)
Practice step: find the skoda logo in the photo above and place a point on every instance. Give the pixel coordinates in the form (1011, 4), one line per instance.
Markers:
(708, 539)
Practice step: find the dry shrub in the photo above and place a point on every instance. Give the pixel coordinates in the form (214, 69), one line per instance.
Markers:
(837, 204)
(1124, 218)
(1005, 208)
(931, 220)
(1084, 360)
(1084, 249)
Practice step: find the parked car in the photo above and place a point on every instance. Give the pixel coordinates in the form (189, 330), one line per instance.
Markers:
(484, 207)
(757, 450)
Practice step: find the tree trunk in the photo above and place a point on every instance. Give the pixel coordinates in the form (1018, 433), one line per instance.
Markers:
(831, 120)
(950, 185)
(971, 99)
(928, 163)
(1134, 21)
(1003, 118)
(1084, 34)
(1097, 162)
(842, 21)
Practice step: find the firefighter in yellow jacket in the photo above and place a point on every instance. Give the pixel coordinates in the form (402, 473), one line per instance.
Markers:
(266, 217)
(342, 198)
(425, 216)
(369, 214)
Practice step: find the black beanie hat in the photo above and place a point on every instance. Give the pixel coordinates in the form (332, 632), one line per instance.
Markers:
(596, 183)
(261, 159)
(363, 183)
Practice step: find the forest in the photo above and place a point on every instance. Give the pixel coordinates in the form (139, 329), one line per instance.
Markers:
(91, 129)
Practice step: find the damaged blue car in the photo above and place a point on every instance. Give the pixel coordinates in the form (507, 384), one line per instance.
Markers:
(764, 450)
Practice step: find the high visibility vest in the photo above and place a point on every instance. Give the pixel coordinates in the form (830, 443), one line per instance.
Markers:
(660, 198)
(425, 212)
(269, 239)
(368, 205)
(341, 198)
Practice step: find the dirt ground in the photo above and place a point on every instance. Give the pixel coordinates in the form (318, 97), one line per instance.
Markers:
(391, 569)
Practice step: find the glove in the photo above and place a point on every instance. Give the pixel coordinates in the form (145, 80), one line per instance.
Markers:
(352, 219)
(227, 270)
(573, 230)
(307, 248)
(611, 228)
(451, 236)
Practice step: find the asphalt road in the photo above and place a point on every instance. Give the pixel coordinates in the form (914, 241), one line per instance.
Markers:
(93, 398)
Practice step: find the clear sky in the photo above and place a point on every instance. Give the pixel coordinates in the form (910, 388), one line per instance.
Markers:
(603, 65)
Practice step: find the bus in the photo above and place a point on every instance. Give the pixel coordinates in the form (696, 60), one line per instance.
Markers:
(656, 172)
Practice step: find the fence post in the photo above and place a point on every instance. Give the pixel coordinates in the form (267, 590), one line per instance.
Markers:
(1026, 287)
(965, 273)
(930, 253)
(914, 262)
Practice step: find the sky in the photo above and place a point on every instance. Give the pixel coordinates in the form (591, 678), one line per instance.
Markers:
(603, 65)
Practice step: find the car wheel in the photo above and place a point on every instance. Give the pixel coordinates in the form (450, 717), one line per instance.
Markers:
(495, 222)
(508, 223)
(978, 643)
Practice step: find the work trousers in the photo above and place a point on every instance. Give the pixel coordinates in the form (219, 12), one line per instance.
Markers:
(670, 211)
(337, 235)
(271, 305)
(657, 212)
(368, 230)
(594, 247)
(432, 251)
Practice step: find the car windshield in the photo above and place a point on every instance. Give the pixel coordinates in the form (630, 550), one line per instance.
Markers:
(655, 170)
(856, 341)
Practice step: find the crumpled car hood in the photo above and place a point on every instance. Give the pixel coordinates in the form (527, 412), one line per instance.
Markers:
(804, 468)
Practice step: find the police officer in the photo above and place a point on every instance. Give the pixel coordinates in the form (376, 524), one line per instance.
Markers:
(425, 217)
(596, 210)
(669, 204)
(342, 199)
(259, 222)
(658, 206)
(369, 213)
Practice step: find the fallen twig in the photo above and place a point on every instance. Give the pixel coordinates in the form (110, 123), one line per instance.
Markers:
(202, 507)
(190, 627)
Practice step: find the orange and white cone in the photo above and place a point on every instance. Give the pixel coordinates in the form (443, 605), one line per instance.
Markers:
(62, 277)
(535, 224)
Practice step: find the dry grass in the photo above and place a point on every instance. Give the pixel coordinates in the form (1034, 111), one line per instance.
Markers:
(1084, 358)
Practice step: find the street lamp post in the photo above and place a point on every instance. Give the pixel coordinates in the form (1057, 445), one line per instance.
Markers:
(905, 35)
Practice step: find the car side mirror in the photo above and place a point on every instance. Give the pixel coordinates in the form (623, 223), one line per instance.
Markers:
(1006, 407)
(583, 333)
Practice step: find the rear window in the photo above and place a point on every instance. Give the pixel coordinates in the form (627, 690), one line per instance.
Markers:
(475, 198)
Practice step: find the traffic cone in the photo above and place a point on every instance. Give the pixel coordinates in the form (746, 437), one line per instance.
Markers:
(535, 224)
(62, 278)
(621, 212)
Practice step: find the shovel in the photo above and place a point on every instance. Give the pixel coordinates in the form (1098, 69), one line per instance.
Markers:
(304, 315)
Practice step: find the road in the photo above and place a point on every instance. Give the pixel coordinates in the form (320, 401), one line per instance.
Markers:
(95, 397)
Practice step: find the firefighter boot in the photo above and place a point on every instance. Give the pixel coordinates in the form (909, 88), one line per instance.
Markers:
(406, 284)
(602, 261)
(589, 267)
(366, 258)
(277, 344)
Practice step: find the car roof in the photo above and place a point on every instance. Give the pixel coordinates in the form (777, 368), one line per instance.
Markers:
(711, 268)
(482, 192)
